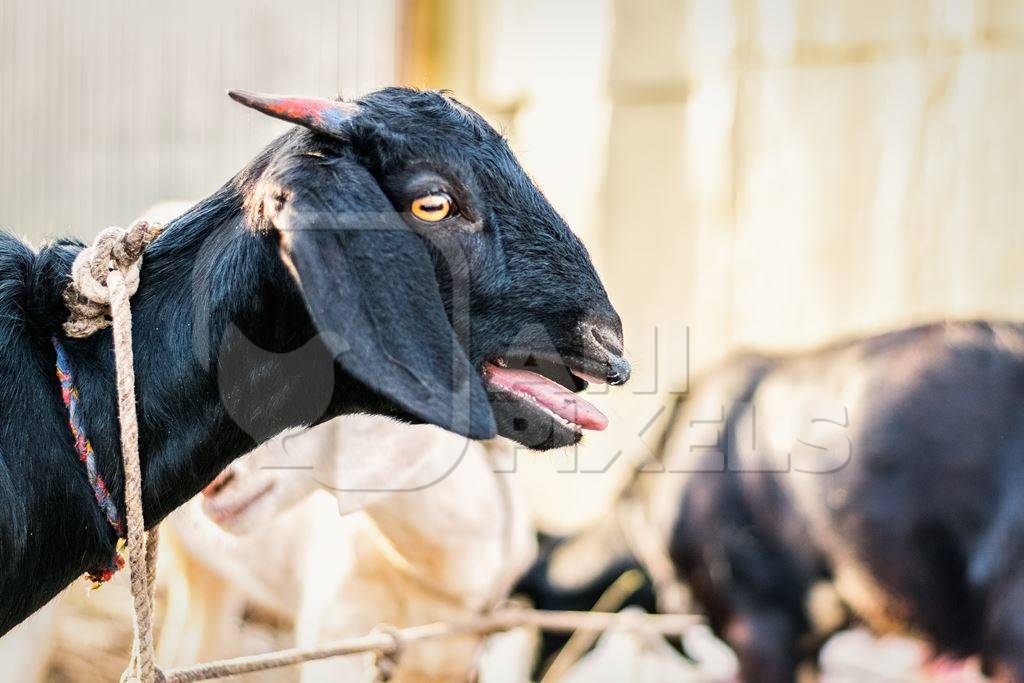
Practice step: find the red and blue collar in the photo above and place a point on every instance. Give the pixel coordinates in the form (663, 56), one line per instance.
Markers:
(69, 392)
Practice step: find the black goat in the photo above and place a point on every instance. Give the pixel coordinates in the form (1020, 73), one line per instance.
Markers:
(893, 465)
(390, 256)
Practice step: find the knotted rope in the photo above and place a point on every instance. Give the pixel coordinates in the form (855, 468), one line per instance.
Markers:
(103, 279)
(89, 297)
(386, 658)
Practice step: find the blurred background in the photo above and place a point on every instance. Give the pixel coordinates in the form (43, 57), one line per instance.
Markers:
(771, 173)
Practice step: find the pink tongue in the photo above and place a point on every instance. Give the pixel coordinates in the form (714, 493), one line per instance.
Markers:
(549, 394)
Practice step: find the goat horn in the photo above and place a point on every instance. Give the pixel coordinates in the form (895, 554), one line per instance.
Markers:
(325, 116)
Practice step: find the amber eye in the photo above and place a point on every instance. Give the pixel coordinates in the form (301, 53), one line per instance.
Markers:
(432, 207)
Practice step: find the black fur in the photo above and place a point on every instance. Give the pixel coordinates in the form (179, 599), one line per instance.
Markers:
(237, 328)
(928, 505)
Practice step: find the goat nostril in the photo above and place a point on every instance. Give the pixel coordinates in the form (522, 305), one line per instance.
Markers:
(606, 341)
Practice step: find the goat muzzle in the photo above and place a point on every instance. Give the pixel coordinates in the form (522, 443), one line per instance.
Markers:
(603, 346)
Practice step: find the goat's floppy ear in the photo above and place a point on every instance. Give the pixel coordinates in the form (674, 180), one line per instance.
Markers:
(324, 116)
(371, 290)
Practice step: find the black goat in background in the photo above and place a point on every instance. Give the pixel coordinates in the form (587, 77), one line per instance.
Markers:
(390, 256)
(890, 466)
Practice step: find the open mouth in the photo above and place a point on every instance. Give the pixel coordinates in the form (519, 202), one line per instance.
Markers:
(226, 507)
(548, 386)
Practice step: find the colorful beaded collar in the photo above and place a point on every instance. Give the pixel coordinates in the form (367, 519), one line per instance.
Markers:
(69, 392)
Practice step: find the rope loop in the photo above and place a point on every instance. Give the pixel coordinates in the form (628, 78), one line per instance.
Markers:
(88, 298)
(158, 677)
(387, 657)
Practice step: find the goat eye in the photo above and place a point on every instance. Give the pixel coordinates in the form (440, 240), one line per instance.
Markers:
(432, 207)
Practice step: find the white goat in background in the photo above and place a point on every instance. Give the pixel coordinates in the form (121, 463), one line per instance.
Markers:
(434, 533)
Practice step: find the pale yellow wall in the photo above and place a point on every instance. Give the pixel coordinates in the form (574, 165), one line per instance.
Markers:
(770, 174)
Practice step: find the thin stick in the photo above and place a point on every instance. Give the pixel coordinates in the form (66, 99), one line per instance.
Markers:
(579, 642)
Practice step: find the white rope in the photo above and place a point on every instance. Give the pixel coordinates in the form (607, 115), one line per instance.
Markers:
(107, 274)
(389, 641)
